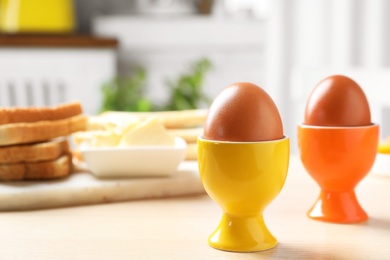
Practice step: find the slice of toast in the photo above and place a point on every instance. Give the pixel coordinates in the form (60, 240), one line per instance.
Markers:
(192, 152)
(35, 152)
(21, 133)
(34, 114)
(53, 169)
(170, 119)
(190, 135)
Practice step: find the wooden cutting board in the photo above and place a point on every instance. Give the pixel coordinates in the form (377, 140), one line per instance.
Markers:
(82, 188)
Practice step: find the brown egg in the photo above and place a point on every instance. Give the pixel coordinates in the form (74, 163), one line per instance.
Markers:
(243, 112)
(337, 101)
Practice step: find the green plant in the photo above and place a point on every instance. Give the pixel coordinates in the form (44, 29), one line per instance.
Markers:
(186, 90)
(126, 93)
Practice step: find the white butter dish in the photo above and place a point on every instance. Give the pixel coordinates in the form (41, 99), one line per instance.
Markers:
(134, 161)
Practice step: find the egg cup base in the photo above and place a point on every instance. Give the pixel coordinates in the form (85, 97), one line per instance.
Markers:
(337, 207)
(242, 234)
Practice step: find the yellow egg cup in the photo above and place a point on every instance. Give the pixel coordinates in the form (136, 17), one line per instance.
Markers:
(243, 178)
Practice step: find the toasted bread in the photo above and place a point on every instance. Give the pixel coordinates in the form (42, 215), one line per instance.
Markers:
(35, 152)
(86, 136)
(190, 135)
(170, 119)
(34, 114)
(21, 133)
(192, 152)
(53, 169)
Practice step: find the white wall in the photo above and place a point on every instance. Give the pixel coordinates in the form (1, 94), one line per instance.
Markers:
(309, 38)
(167, 47)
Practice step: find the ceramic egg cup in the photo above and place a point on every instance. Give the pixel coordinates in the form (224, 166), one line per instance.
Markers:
(338, 158)
(243, 178)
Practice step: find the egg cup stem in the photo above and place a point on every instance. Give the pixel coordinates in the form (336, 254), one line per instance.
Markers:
(339, 207)
(242, 234)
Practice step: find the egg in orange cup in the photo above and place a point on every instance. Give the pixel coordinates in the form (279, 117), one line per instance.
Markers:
(243, 159)
(338, 145)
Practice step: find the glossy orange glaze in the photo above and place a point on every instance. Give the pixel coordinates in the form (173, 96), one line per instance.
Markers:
(338, 158)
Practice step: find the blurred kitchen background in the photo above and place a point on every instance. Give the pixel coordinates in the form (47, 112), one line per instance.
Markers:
(177, 54)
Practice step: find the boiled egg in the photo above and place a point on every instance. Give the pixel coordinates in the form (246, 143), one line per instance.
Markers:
(243, 112)
(337, 101)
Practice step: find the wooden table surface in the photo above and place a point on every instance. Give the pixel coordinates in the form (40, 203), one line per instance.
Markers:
(177, 228)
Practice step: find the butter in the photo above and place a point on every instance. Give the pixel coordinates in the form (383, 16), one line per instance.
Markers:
(149, 132)
(114, 124)
(105, 138)
(131, 132)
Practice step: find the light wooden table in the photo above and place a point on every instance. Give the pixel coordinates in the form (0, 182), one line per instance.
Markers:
(177, 228)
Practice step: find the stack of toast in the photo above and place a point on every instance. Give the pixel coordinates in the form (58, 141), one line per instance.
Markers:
(34, 143)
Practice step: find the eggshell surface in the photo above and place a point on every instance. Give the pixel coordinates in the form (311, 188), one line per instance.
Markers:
(337, 101)
(243, 112)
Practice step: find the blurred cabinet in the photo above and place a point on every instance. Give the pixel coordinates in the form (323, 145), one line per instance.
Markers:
(46, 70)
(166, 47)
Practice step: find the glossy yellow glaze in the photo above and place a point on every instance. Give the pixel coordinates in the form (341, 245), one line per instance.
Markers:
(384, 147)
(30, 16)
(243, 178)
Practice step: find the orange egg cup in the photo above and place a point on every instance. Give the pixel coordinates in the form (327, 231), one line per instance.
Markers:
(338, 158)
